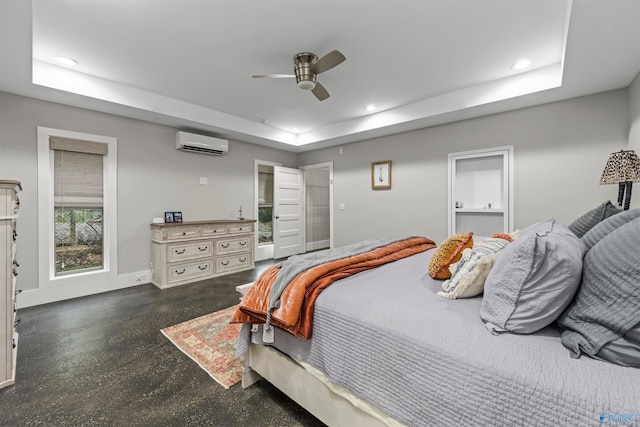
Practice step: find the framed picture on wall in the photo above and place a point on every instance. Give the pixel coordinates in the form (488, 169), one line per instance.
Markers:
(177, 217)
(168, 217)
(381, 175)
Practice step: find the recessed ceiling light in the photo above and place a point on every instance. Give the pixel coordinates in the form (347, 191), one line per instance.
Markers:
(65, 60)
(523, 63)
(371, 107)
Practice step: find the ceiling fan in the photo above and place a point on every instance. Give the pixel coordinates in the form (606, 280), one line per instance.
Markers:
(306, 67)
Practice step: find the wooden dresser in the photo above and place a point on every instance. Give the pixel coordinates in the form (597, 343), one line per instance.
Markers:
(9, 204)
(191, 251)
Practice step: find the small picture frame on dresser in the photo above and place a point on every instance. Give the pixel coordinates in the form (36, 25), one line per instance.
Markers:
(168, 217)
(177, 217)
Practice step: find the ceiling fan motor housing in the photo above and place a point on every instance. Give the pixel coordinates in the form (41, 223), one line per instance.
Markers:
(305, 79)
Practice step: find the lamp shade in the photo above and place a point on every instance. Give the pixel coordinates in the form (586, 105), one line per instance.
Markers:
(622, 166)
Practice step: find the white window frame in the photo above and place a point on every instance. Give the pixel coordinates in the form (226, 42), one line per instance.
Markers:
(46, 238)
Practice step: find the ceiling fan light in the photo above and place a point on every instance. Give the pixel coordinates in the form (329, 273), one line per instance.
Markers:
(306, 84)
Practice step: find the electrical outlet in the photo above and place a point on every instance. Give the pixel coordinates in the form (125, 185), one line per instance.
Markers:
(140, 278)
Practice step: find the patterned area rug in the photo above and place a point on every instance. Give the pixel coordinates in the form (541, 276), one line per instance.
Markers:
(211, 342)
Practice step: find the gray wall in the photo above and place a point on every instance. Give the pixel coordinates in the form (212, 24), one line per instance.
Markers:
(153, 176)
(560, 150)
(634, 115)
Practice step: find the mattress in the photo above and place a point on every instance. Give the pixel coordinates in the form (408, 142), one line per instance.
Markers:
(387, 336)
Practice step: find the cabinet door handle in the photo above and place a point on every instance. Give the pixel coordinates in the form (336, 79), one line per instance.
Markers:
(181, 272)
(240, 228)
(224, 262)
(243, 243)
(180, 253)
(242, 259)
(225, 245)
(202, 268)
(203, 249)
(184, 233)
(16, 263)
(15, 273)
(18, 291)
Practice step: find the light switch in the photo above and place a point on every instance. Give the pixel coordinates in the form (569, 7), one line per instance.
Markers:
(341, 206)
(204, 180)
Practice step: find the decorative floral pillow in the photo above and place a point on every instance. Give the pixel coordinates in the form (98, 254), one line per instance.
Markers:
(447, 253)
(470, 273)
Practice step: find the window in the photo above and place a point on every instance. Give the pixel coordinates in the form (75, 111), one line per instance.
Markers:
(76, 205)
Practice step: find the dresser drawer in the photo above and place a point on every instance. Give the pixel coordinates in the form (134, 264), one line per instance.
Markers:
(181, 233)
(189, 271)
(241, 228)
(213, 230)
(229, 246)
(189, 250)
(235, 262)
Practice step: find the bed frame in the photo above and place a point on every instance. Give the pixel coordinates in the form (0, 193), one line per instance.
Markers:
(322, 399)
(302, 387)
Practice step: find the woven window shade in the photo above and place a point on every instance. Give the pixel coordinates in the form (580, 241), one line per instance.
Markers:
(78, 146)
(78, 173)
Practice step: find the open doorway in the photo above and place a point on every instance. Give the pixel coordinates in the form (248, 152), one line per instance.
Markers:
(318, 206)
(286, 224)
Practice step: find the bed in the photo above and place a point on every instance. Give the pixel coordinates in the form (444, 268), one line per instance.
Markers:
(387, 349)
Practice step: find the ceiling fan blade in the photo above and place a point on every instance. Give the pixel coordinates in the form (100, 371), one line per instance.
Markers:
(272, 76)
(327, 62)
(320, 92)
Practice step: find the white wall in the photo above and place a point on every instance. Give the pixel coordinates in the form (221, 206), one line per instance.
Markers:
(153, 176)
(559, 150)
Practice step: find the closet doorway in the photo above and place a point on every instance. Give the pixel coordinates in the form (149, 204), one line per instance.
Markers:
(294, 209)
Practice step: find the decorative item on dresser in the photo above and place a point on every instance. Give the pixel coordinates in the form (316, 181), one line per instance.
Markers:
(196, 250)
(9, 204)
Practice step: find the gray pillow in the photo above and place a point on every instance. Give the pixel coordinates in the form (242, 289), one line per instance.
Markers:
(624, 351)
(586, 222)
(606, 226)
(607, 305)
(534, 280)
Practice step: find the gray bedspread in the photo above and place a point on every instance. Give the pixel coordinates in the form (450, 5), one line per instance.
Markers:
(428, 361)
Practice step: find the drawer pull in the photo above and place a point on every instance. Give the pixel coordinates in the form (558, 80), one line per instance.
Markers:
(201, 268)
(240, 228)
(181, 272)
(224, 262)
(180, 253)
(184, 233)
(242, 243)
(203, 249)
(225, 245)
(242, 259)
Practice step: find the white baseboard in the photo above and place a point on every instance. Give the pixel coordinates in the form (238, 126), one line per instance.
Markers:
(314, 246)
(47, 295)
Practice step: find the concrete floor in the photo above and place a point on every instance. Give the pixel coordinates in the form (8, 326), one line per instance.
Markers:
(101, 360)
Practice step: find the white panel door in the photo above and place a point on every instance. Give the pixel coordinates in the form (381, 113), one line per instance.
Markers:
(288, 225)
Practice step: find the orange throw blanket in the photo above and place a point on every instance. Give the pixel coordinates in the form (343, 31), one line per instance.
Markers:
(295, 314)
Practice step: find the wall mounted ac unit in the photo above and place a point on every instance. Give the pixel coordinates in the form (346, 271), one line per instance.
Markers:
(195, 143)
